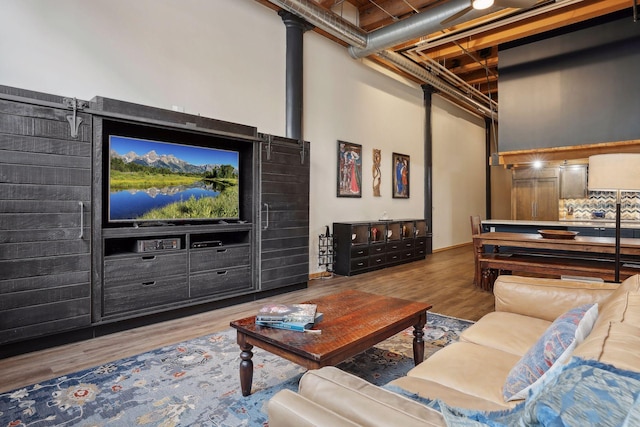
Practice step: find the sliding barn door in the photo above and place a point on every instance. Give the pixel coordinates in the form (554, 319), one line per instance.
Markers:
(284, 212)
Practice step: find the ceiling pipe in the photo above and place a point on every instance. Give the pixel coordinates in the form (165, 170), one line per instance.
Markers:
(414, 27)
(356, 37)
(328, 21)
(419, 72)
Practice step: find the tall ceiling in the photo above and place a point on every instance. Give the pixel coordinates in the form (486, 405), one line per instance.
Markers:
(464, 51)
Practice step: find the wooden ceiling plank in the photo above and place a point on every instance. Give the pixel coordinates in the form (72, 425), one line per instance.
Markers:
(563, 17)
(372, 16)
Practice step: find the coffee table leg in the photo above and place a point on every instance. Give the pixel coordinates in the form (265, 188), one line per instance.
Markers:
(246, 365)
(418, 342)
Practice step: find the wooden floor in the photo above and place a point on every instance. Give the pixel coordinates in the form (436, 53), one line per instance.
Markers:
(444, 280)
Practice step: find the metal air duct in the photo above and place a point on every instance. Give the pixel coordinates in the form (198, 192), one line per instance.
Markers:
(413, 27)
(358, 39)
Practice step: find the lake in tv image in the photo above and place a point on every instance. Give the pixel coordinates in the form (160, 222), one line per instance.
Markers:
(155, 180)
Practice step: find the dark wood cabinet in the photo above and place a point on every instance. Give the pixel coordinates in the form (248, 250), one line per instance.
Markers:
(284, 219)
(365, 246)
(65, 265)
(45, 206)
(136, 283)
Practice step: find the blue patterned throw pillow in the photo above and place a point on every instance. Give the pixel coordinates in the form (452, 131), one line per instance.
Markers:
(584, 393)
(587, 393)
(546, 357)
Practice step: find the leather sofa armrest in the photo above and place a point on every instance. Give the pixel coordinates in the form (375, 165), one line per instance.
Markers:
(364, 403)
(288, 409)
(546, 298)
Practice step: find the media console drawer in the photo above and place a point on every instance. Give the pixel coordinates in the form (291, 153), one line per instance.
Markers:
(219, 257)
(142, 267)
(120, 297)
(220, 282)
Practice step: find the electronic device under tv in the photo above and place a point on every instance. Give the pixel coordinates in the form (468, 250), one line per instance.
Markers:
(167, 182)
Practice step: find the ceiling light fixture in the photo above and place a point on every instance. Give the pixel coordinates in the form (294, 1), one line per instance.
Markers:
(481, 4)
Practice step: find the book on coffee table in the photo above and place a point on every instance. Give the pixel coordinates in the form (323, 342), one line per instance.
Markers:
(298, 313)
(292, 326)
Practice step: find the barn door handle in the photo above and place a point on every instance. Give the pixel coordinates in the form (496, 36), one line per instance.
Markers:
(266, 205)
(81, 236)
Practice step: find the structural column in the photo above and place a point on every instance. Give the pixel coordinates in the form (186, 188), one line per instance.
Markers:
(488, 132)
(428, 92)
(296, 27)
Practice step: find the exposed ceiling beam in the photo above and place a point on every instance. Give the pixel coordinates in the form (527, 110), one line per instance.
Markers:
(578, 12)
(567, 152)
(372, 17)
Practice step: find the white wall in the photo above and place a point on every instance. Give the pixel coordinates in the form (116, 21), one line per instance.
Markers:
(459, 162)
(218, 58)
(349, 101)
(226, 59)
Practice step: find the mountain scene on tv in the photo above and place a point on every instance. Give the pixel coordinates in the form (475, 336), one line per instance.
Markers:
(159, 181)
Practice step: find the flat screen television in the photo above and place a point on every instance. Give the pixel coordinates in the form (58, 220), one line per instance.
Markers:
(168, 182)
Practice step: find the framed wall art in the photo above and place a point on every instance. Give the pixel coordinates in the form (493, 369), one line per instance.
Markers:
(401, 163)
(349, 169)
(375, 171)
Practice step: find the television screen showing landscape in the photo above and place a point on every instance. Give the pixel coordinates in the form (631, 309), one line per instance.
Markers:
(161, 181)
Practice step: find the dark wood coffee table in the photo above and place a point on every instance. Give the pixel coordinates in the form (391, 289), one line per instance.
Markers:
(353, 322)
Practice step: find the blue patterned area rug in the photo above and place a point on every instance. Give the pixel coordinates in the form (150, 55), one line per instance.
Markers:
(196, 383)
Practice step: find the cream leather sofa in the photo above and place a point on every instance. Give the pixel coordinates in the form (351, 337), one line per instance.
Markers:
(471, 373)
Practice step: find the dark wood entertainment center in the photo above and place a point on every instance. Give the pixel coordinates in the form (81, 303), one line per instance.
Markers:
(64, 268)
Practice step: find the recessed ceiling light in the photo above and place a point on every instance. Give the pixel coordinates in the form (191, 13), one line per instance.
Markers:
(481, 4)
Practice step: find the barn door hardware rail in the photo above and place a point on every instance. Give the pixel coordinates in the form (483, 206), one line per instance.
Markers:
(74, 121)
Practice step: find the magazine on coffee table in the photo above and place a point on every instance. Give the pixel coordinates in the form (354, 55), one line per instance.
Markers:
(292, 326)
(299, 313)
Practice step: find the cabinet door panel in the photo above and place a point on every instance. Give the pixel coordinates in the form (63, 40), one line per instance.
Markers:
(523, 199)
(535, 199)
(547, 199)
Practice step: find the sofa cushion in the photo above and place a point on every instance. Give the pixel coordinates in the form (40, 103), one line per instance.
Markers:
(550, 352)
(469, 368)
(619, 346)
(632, 313)
(421, 389)
(622, 307)
(631, 284)
(547, 298)
(510, 332)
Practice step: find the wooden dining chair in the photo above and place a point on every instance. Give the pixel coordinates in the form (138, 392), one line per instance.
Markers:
(476, 226)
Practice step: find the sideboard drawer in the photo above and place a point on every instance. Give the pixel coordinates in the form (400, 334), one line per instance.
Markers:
(359, 264)
(359, 251)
